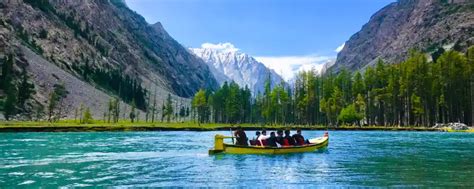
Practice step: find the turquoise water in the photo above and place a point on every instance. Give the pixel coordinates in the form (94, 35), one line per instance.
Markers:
(417, 159)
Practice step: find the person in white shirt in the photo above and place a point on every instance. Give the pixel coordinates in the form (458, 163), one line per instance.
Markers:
(263, 137)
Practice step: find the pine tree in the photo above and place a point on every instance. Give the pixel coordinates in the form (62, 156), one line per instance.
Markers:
(153, 109)
(87, 117)
(10, 102)
(132, 114)
(359, 106)
(25, 90)
(10, 89)
(413, 92)
(349, 115)
(470, 59)
(168, 109)
(200, 105)
(7, 71)
(51, 106)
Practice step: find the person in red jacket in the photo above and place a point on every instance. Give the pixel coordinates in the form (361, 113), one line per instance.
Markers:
(299, 139)
(288, 140)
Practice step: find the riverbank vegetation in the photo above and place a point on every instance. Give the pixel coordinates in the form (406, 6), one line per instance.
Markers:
(127, 125)
(415, 92)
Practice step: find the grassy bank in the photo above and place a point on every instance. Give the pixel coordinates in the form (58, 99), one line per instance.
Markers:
(71, 126)
(460, 131)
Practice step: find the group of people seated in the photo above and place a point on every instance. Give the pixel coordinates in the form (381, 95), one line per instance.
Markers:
(272, 140)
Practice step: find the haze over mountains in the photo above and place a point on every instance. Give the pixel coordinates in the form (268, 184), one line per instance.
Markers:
(228, 63)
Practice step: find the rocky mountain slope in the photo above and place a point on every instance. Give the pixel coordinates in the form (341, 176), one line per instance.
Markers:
(227, 63)
(426, 25)
(98, 50)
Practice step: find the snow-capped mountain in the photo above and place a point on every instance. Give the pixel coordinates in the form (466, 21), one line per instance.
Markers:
(227, 63)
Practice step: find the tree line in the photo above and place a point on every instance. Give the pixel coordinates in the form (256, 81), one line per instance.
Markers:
(16, 92)
(170, 111)
(113, 80)
(415, 92)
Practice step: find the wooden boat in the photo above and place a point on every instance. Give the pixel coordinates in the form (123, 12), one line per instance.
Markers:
(221, 147)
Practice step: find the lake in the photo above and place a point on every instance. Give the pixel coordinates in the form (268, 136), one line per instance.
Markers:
(353, 158)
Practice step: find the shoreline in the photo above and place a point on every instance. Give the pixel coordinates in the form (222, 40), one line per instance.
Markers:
(75, 127)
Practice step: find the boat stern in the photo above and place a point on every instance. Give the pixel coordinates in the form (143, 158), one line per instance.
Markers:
(218, 144)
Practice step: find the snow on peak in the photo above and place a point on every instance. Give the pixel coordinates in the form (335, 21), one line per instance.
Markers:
(220, 47)
(228, 63)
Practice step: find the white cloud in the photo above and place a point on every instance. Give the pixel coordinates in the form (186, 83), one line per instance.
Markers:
(339, 49)
(225, 47)
(288, 66)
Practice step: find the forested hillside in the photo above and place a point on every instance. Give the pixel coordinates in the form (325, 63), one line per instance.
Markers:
(95, 51)
(415, 92)
(430, 26)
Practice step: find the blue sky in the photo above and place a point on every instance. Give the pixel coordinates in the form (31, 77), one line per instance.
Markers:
(266, 29)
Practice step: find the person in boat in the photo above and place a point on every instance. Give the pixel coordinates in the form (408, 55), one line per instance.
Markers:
(280, 137)
(298, 138)
(272, 140)
(263, 138)
(241, 137)
(255, 141)
(288, 140)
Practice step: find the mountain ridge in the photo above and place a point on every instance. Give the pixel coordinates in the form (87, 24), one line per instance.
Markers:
(103, 44)
(426, 25)
(228, 63)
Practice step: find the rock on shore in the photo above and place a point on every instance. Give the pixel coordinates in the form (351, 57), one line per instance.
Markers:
(453, 126)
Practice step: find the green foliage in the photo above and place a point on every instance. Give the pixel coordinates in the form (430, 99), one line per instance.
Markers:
(55, 102)
(7, 72)
(200, 104)
(25, 90)
(233, 104)
(69, 18)
(112, 80)
(168, 108)
(10, 102)
(43, 34)
(87, 117)
(113, 110)
(229, 104)
(133, 113)
(413, 92)
(182, 112)
(15, 96)
(349, 115)
(41, 4)
(24, 36)
(153, 108)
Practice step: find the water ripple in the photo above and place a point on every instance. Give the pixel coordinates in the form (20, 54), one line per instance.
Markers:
(174, 159)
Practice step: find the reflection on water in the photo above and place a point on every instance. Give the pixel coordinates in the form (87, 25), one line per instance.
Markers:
(181, 159)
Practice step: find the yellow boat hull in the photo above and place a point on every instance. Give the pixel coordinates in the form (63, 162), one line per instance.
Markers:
(236, 149)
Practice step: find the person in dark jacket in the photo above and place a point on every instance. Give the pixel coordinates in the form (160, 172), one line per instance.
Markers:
(280, 137)
(241, 137)
(288, 140)
(299, 139)
(272, 141)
